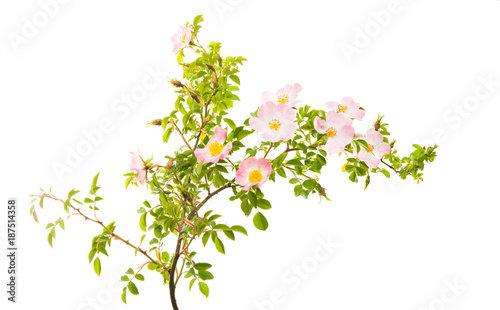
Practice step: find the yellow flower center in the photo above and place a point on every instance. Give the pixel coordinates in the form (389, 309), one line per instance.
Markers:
(282, 98)
(183, 38)
(341, 108)
(255, 176)
(274, 124)
(370, 147)
(331, 132)
(215, 148)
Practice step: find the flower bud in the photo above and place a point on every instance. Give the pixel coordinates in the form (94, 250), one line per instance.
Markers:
(193, 95)
(177, 83)
(156, 122)
(209, 66)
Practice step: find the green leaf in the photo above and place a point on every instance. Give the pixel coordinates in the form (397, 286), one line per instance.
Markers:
(124, 295)
(198, 19)
(191, 283)
(92, 254)
(353, 177)
(309, 184)
(281, 172)
(49, 239)
(230, 123)
(205, 275)
(239, 229)
(386, 173)
(203, 288)
(132, 288)
(260, 221)
(152, 266)
(253, 198)
(202, 266)
(167, 134)
(124, 278)
(72, 193)
(130, 271)
(218, 244)
(246, 207)
(94, 181)
(163, 199)
(229, 234)
(279, 161)
(264, 204)
(294, 162)
(165, 256)
(139, 277)
(205, 238)
(297, 190)
(97, 266)
(235, 79)
(142, 222)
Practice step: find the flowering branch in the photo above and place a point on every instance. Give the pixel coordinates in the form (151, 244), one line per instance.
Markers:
(303, 137)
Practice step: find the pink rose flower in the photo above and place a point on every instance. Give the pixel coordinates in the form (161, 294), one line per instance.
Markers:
(275, 122)
(253, 171)
(182, 38)
(347, 107)
(376, 149)
(137, 165)
(338, 129)
(215, 149)
(285, 95)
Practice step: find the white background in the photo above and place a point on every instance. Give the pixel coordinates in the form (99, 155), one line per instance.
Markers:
(399, 242)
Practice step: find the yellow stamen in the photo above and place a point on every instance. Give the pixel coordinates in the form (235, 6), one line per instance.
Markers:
(282, 98)
(255, 176)
(370, 148)
(274, 124)
(183, 38)
(341, 108)
(215, 148)
(331, 132)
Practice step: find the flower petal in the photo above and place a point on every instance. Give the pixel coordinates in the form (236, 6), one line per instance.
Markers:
(373, 137)
(320, 125)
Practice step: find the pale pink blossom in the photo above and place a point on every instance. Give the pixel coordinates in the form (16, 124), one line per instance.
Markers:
(338, 129)
(347, 107)
(137, 165)
(182, 38)
(376, 148)
(215, 149)
(285, 95)
(253, 171)
(275, 122)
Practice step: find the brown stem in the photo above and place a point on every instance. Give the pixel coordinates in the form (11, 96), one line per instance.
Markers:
(269, 149)
(171, 272)
(182, 135)
(105, 227)
(398, 172)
